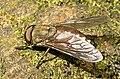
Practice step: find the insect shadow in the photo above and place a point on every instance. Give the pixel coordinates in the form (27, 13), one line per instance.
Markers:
(87, 66)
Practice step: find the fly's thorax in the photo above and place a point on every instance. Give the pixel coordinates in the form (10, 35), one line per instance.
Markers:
(42, 34)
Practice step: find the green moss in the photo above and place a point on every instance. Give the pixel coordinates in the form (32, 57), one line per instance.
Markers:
(16, 15)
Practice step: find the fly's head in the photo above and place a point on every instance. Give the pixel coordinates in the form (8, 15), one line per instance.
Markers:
(39, 34)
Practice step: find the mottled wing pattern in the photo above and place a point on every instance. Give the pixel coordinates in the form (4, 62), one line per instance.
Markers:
(75, 45)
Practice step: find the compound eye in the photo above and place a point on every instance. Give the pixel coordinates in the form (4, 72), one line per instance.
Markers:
(28, 34)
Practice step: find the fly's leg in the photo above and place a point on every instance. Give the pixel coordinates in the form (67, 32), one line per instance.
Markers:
(23, 47)
(40, 61)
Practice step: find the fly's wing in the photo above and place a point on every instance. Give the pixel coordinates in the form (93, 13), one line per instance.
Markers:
(87, 22)
(76, 46)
